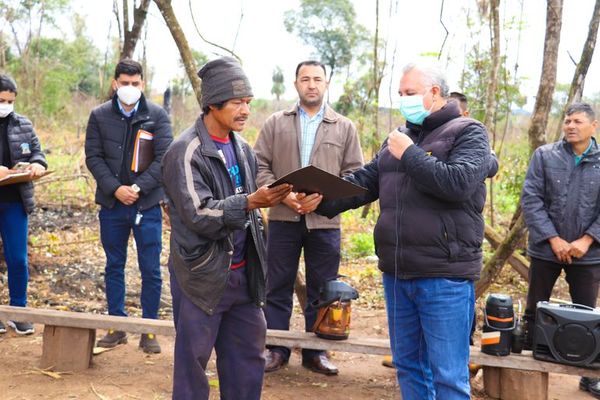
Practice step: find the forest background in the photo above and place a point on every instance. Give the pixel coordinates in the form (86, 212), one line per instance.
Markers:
(518, 61)
(48, 47)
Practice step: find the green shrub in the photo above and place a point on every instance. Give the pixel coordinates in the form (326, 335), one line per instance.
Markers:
(361, 245)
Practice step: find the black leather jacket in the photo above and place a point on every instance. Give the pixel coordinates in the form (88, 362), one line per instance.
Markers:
(205, 211)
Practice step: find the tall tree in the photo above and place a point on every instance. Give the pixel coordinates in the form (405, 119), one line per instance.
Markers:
(278, 85)
(492, 86)
(543, 101)
(490, 106)
(539, 122)
(166, 10)
(576, 88)
(131, 35)
(328, 26)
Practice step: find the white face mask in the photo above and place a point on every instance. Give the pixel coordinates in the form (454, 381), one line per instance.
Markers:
(129, 94)
(6, 109)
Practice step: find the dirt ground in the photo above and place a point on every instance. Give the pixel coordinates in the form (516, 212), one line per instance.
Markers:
(67, 273)
(128, 373)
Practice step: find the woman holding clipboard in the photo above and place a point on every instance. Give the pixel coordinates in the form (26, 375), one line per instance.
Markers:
(20, 151)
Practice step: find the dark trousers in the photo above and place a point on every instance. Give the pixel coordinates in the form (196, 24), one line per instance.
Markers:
(13, 229)
(322, 259)
(237, 332)
(116, 225)
(583, 283)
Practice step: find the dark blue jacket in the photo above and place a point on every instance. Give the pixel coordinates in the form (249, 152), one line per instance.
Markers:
(24, 146)
(431, 201)
(561, 199)
(106, 148)
(205, 211)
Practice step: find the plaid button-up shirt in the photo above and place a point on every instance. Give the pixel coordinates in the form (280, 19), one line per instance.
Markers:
(309, 128)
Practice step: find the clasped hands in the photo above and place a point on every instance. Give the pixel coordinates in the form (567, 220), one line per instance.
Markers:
(565, 251)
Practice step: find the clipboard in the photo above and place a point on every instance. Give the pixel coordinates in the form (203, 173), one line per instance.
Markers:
(21, 177)
(311, 179)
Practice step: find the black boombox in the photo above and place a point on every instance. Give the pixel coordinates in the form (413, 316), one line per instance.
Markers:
(567, 334)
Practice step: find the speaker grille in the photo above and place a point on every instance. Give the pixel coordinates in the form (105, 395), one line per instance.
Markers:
(574, 342)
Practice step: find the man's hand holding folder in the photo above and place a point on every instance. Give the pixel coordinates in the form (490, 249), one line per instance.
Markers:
(311, 180)
(143, 151)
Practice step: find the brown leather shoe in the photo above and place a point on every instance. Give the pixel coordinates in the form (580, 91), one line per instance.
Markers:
(274, 360)
(320, 363)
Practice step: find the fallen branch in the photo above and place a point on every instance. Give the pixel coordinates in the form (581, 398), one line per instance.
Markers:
(48, 372)
(40, 246)
(494, 265)
(517, 261)
(97, 394)
(62, 178)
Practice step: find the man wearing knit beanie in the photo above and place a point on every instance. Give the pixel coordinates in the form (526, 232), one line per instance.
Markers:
(217, 258)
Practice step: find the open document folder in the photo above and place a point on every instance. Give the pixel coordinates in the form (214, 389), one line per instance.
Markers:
(143, 151)
(311, 179)
(20, 177)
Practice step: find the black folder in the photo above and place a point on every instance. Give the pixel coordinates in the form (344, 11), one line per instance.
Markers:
(311, 179)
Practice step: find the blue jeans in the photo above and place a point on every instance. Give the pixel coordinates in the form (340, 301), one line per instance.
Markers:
(430, 321)
(13, 229)
(115, 226)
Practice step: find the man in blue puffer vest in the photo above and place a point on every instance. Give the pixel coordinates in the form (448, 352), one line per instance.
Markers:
(429, 234)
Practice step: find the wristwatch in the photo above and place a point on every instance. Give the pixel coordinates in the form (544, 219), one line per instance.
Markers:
(135, 188)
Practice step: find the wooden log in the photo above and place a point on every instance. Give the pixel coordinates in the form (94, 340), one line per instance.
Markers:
(526, 362)
(87, 321)
(516, 261)
(491, 381)
(523, 385)
(67, 349)
(308, 340)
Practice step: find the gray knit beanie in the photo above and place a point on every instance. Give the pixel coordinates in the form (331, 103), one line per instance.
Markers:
(223, 79)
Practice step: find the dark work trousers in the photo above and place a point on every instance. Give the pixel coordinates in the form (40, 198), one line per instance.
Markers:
(322, 259)
(582, 279)
(116, 225)
(237, 332)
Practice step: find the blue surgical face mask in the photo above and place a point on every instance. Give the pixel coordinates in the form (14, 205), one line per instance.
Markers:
(412, 109)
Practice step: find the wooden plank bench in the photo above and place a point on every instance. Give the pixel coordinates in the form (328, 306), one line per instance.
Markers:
(69, 339)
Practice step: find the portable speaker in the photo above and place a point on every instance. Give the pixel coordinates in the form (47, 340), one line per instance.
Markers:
(567, 334)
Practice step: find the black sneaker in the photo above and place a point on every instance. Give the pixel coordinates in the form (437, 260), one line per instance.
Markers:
(149, 344)
(2, 328)
(591, 385)
(22, 328)
(112, 339)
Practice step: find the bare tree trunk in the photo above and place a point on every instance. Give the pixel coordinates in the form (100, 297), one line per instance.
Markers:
(2, 52)
(539, 122)
(131, 36)
(300, 289)
(182, 44)
(490, 104)
(118, 18)
(576, 89)
(543, 102)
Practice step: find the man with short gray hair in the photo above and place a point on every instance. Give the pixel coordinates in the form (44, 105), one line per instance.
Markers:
(559, 200)
(429, 178)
